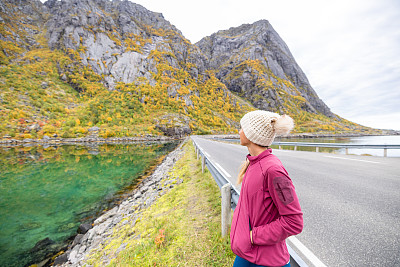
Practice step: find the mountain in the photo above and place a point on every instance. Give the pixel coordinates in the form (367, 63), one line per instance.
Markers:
(70, 65)
(253, 61)
(111, 64)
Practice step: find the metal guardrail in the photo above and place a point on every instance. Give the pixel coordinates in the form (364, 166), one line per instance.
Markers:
(218, 175)
(385, 147)
(295, 259)
(337, 145)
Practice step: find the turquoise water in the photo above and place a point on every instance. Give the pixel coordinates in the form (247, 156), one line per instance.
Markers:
(49, 192)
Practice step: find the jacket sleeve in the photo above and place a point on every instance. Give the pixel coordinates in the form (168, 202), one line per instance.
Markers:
(290, 217)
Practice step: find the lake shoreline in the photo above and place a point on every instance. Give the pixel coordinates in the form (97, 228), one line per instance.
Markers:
(85, 140)
(116, 140)
(91, 236)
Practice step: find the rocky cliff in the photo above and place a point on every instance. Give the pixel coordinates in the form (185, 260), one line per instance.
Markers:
(70, 65)
(117, 39)
(253, 61)
(131, 72)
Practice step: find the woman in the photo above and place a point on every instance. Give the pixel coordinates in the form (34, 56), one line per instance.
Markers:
(268, 210)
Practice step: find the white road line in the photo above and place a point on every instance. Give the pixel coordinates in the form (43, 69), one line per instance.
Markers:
(282, 150)
(306, 252)
(222, 170)
(352, 159)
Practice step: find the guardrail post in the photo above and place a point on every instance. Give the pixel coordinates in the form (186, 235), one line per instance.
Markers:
(295, 148)
(280, 147)
(203, 163)
(197, 153)
(385, 152)
(316, 149)
(347, 150)
(225, 208)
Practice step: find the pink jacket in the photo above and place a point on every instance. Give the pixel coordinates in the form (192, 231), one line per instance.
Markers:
(268, 205)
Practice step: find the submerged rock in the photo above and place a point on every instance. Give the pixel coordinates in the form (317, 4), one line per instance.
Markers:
(42, 244)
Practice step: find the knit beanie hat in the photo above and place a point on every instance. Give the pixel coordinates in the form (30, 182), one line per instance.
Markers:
(261, 126)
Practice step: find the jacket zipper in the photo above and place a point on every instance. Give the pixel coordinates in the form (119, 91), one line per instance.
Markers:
(248, 216)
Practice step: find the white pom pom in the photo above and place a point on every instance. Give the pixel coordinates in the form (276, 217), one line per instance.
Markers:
(283, 125)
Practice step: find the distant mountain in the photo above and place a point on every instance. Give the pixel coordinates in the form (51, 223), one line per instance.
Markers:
(73, 64)
(253, 61)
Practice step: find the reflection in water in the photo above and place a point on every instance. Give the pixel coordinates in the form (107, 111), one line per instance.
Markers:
(46, 193)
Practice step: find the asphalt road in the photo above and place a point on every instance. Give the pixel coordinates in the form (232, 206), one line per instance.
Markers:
(351, 204)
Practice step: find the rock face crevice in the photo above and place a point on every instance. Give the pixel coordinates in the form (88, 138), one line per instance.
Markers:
(253, 60)
(114, 38)
(117, 38)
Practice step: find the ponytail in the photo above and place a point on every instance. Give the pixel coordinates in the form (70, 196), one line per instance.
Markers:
(243, 169)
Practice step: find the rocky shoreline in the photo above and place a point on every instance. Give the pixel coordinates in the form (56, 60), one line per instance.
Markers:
(91, 236)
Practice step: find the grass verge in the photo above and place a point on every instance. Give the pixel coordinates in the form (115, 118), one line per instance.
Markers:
(182, 228)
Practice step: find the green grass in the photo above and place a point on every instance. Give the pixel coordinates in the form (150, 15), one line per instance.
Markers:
(182, 228)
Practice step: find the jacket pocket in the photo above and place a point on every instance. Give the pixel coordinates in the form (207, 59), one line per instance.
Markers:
(250, 245)
(242, 236)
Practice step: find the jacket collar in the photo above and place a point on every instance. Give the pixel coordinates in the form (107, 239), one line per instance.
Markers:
(254, 159)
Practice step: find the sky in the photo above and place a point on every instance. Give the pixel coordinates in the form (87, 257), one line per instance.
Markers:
(348, 49)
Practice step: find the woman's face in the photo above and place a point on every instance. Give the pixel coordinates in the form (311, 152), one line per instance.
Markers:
(243, 139)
